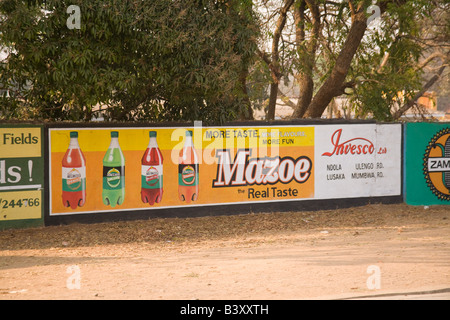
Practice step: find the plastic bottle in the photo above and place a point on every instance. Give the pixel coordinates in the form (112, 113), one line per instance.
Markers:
(188, 177)
(152, 172)
(113, 173)
(74, 174)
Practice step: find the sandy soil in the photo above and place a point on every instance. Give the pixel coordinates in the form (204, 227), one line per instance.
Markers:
(342, 253)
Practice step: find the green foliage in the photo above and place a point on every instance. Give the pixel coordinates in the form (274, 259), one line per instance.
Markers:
(386, 64)
(257, 83)
(138, 60)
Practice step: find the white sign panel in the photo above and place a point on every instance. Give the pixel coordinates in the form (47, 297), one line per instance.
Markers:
(357, 160)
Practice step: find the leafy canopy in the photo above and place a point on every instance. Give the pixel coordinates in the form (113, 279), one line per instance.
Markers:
(153, 60)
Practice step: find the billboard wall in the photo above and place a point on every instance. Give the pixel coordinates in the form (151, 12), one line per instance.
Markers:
(21, 176)
(129, 169)
(427, 163)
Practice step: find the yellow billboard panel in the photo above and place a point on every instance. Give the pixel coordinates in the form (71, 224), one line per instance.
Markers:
(104, 169)
(20, 205)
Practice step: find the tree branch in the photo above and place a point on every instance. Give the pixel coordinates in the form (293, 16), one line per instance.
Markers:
(430, 58)
(397, 114)
(286, 99)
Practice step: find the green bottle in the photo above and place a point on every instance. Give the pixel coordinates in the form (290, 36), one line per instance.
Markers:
(113, 173)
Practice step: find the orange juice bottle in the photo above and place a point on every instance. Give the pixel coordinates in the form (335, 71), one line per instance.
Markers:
(188, 171)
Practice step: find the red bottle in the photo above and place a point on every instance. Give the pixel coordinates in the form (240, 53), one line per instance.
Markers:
(74, 175)
(152, 172)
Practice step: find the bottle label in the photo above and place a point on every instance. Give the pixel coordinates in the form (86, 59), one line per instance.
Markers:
(73, 179)
(152, 177)
(113, 178)
(188, 174)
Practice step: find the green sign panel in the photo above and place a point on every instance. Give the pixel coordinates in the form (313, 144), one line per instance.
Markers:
(21, 176)
(427, 163)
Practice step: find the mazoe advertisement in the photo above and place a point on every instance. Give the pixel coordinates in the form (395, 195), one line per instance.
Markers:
(127, 169)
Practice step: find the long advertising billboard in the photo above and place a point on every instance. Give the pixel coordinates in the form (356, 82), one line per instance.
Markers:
(94, 170)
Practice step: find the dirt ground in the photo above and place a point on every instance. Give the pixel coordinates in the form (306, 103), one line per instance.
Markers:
(333, 254)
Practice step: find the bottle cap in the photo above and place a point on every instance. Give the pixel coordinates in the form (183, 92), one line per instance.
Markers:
(74, 134)
(114, 134)
(152, 134)
(188, 133)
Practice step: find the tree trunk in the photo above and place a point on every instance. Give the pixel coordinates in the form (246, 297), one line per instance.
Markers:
(333, 84)
(247, 113)
(275, 69)
(306, 54)
(272, 101)
(306, 86)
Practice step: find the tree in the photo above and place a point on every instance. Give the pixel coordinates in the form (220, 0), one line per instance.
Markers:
(405, 49)
(138, 60)
(334, 51)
